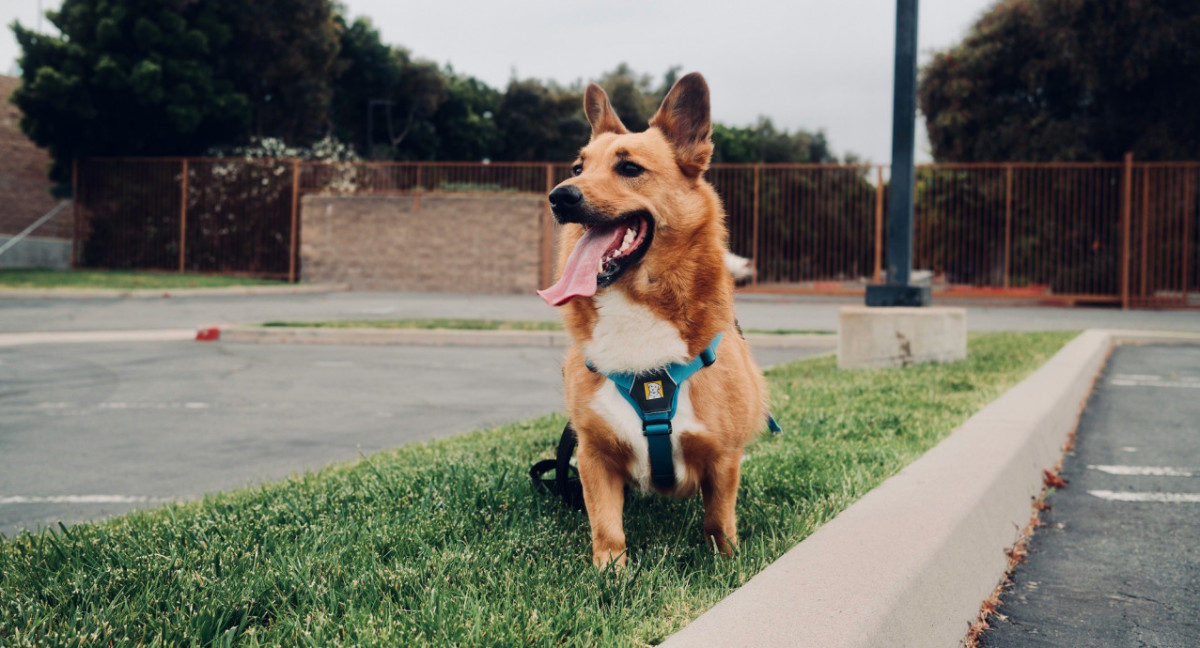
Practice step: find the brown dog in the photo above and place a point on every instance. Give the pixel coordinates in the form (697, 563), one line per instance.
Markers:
(643, 288)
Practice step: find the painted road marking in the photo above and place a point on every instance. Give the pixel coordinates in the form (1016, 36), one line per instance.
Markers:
(1153, 471)
(1169, 498)
(82, 499)
(1146, 471)
(1147, 380)
(77, 408)
(167, 335)
(123, 405)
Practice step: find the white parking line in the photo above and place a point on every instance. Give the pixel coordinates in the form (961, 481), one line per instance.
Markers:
(1168, 498)
(1147, 380)
(1154, 471)
(82, 499)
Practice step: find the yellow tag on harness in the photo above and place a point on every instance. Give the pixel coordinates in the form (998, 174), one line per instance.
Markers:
(654, 389)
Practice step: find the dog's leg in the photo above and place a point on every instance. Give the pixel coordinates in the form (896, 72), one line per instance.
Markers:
(604, 497)
(719, 488)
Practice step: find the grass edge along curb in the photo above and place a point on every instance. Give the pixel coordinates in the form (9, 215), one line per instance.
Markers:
(445, 543)
(33, 279)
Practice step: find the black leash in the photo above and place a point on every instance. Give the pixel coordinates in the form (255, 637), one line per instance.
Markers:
(565, 482)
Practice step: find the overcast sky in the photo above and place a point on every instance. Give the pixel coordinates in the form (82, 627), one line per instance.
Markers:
(806, 64)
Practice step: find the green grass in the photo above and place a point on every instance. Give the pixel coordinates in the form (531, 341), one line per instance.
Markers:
(33, 278)
(437, 323)
(446, 543)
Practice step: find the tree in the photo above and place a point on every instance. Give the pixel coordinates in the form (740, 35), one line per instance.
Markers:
(137, 77)
(282, 56)
(1047, 80)
(764, 143)
(366, 70)
(541, 122)
(416, 97)
(143, 77)
(465, 123)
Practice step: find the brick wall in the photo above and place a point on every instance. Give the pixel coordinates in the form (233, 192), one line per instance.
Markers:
(24, 188)
(478, 243)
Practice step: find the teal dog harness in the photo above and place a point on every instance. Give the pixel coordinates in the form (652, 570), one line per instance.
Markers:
(654, 396)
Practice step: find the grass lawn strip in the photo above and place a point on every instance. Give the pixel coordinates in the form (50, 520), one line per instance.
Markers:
(446, 543)
(40, 279)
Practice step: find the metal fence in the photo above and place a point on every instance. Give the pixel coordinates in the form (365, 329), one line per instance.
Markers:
(229, 216)
(1122, 232)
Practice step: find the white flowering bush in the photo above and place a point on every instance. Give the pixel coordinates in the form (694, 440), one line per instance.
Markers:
(326, 149)
(340, 176)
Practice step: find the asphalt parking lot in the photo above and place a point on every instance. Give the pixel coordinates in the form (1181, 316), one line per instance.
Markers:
(138, 423)
(92, 429)
(96, 429)
(1116, 561)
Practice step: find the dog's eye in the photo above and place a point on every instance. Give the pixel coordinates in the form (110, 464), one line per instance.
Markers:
(629, 169)
(577, 169)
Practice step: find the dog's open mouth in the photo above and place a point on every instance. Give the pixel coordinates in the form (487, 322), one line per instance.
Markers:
(603, 253)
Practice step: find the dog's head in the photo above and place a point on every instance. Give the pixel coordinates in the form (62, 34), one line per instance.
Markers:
(628, 188)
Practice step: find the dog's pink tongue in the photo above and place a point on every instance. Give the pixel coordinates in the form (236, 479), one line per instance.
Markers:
(579, 274)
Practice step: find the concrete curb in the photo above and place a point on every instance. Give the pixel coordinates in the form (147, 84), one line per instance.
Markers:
(251, 291)
(910, 562)
(448, 337)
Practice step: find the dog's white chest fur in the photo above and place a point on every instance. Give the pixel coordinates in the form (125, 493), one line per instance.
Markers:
(629, 338)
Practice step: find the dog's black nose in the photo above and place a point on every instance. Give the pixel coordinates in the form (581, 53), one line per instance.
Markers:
(565, 196)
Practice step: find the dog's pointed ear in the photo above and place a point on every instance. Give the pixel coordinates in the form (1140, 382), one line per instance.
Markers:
(600, 113)
(684, 118)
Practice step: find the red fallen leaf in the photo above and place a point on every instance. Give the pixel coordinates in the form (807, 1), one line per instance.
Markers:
(1017, 553)
(1052, 480)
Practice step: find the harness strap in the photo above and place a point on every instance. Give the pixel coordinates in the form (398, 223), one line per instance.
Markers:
(565, 482)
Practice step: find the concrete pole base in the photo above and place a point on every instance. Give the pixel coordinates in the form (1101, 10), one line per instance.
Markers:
(870, 337)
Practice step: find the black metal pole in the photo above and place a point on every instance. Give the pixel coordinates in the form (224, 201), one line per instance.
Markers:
(898, 291)
(904, 116)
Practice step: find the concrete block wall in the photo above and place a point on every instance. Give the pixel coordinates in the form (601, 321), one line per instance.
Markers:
(476, 243)
(37, 252)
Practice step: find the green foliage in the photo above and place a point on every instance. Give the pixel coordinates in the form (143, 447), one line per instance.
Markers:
(540, 122)
(446, 544)
(144, 78)
(764, 143)
(1051, 80)
(282, 56)
(135, 77)
(465, 123)
(366, 70)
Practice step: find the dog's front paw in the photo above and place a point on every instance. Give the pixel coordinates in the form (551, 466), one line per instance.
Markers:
(607, 558)
(721, 541)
